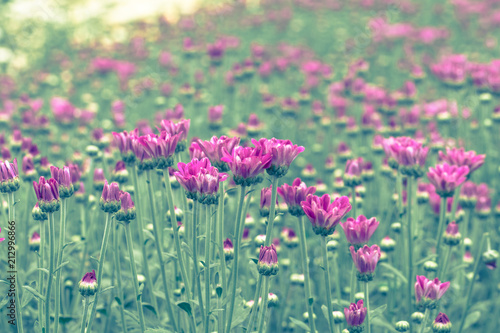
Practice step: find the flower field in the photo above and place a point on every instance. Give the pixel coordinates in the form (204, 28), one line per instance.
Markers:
(275, 166)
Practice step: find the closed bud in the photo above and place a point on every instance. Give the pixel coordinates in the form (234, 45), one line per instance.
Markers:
(88, 284)
(92, 150)
(383, 289)
(338, 317)
(442, 324)
(396, 227)
(332, 245)
(272, 300)
(387, 244)
(402, 326)
(259, 240)
(34, 242)
(467, 244)
(417, 317)
(490, 258)
(297, 279)
(430, 266)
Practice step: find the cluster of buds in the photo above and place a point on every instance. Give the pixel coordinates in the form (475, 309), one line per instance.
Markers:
(268, 261)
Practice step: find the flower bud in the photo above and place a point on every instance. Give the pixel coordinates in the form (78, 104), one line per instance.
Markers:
(34, 242)
(387, 244)
(272, 300)
(332, 245)
(452, 236)
(442, 324)
(88, 284)
(402, 326)
(37, 213)
(268, 261)
(430, 266)
(228, 249)
(417, 317)
(297, 279)
(490, 258)
(259, 240)
(338, 317)
(396, 227)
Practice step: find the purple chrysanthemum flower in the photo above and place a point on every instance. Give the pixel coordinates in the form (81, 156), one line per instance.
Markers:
(359, 231)
(324, 214)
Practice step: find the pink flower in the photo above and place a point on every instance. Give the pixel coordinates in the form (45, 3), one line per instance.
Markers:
(460, 157)
(124, 142)
(265, 200)
(352, 172)
(161, 148)
(213, 150)
(323, 214)
(409, 154)
(428, 292)
(441, 323)
(9, 176)
(446, 178)
(268, 260)
(359, 231)
(365, 259)
(47, 194)
(283, 153)
(295, 194)
(1, 239)
(181, 128)
(355, 314)
(186, 176)
(63, 178)
(246, 164)
(64, 112)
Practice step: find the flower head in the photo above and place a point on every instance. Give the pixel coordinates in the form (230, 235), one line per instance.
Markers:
(366, 259)
(268, 260)
(283, 152)
(352, 173)
(110, 198)
(34, 242)
(428, 292)
(180, 128)
(441, 324)
(452, 236)
(228, 249)
(408, 154)
(161, 148)
(213, 150)
(359, 231)
(47, 194)
(28, 168)
(324, 214)
(63, 178)
(460, 157)
(124, 142)
(294, 194)
(265, 200)
(355, 314)
(9, 177)
(446, 178)
(127, 208)
(246, 164)
(88, 284)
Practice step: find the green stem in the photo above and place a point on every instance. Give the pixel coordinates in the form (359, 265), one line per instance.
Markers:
(327, 284)
(305, 269)
(59, 254)
(442, 267)
(197, 279)
(116, 253)
(410, 245)
(140, 234)
(337, 281)
(158, 246)
(237, 242)
(40, 275)
(208, 241)
(84, 316)
(477, 260)
(272, 211)
(102, 256)
(353, 283)
(220, 225)
(255, 305)
(424, 322)
(265, 299)
(12, 217)
(367, 298)
(442, 218)
(354, 204)
(51, 271)
(133, 269)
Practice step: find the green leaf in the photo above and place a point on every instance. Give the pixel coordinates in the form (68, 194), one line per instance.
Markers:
(132, 315)
(395, 271)
(34, 292)
(378, 311)
(471, 319)
(150, 308)
(3, 302)
(106, 289)
(61, 266)
(218, 290)
(65, 319)
(187, 249)
(27, 297)
(310, 301)
(300, 324)
(38, 328)
(381, 322)
(324, 308)
(117, 299)
(255, 261)
(240, 313)
(45, 270)
(68, 244)
(185, 306)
